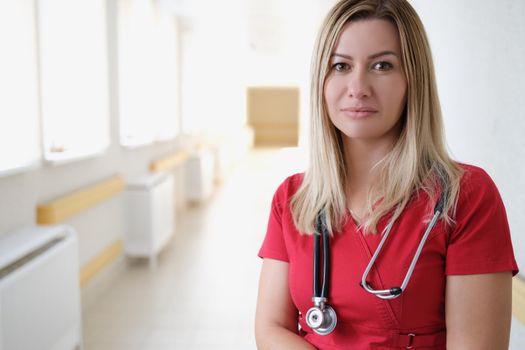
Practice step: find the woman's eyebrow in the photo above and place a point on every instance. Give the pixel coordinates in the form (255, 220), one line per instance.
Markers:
(375, 55)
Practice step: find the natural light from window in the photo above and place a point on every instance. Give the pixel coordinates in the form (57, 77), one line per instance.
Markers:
(19, 134)
(147, 73)
(74, 78)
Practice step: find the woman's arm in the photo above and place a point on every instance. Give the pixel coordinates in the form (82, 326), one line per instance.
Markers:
(276, 316)
(478, 311)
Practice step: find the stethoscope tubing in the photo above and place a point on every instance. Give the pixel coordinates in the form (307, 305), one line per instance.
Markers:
(396, 291)
(322, 318)
(321, 232)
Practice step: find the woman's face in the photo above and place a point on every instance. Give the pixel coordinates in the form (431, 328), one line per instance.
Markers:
(365, 89)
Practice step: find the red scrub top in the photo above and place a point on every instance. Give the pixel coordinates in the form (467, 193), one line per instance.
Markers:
(479, 242)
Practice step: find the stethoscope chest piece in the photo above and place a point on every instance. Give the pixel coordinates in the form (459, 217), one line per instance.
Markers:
(321, 318)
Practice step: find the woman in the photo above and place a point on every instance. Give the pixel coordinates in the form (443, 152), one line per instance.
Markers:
(379, 167)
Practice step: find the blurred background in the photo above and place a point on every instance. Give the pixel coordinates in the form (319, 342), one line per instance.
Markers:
(141, 142)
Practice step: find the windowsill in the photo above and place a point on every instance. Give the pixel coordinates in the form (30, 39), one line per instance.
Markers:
(76, 157)
(149, 143)
(22, 169)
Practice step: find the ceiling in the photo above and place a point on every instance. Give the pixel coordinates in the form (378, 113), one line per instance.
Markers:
(269, 24)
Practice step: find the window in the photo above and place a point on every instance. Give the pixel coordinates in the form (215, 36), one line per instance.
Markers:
(148, 90)
(74, 76)
(19, 129)
(19, 141)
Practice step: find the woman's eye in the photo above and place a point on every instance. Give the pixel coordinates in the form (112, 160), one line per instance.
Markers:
(340, 67)
(382, 66)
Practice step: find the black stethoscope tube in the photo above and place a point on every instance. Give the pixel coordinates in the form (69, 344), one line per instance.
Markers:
(326, 263)
(321, 317)
(321, 231)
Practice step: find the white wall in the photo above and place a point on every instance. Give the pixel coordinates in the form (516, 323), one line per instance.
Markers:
(478, 48)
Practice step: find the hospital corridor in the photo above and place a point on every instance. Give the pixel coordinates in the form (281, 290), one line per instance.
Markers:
(203, 294)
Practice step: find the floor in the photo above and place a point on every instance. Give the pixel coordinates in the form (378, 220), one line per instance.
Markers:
(203, 294)
(204, 291)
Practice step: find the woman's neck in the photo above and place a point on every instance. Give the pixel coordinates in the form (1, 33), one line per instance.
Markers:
(360, 158)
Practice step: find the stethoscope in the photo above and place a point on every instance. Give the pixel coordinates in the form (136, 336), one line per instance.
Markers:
(322, 317)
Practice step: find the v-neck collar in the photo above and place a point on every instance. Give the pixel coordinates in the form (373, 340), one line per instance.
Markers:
(367, 244)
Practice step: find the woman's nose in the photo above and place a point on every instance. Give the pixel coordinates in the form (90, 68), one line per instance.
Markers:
(358, 85)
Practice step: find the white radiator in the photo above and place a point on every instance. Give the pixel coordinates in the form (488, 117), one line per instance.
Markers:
(150, 215)
(199, 176)
(39, 289)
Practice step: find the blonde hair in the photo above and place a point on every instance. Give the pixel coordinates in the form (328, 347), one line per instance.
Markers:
(418, 160)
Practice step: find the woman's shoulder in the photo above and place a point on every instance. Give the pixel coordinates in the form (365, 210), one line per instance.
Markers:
(289, 185)
(476, 182)
(474, 174)
(471, 169)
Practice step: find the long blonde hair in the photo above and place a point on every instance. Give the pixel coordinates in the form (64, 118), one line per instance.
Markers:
(419, 158)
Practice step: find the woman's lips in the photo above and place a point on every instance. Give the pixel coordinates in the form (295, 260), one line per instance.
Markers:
(358, 113)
